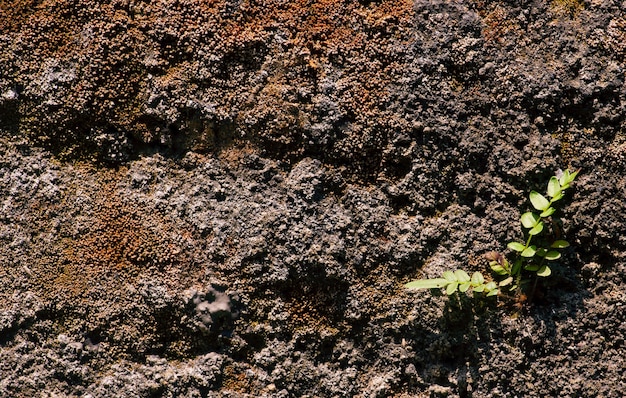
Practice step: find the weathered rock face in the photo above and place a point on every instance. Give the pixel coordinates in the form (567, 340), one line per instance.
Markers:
(223, 198)
(113, 79)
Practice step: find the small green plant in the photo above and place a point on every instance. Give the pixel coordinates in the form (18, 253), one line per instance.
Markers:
(531, 257)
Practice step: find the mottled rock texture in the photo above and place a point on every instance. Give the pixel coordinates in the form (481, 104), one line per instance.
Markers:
(223, 198)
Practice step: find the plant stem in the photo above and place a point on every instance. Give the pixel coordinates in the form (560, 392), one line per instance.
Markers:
(528, 241)
(536, 279)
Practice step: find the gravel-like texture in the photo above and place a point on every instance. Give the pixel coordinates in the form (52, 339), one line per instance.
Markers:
(224, 198)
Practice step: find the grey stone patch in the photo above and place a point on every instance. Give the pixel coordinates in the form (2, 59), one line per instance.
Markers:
(214, 309)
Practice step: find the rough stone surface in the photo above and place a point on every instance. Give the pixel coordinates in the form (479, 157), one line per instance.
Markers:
(224, 198)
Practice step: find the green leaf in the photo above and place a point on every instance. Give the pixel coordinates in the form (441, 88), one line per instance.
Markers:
(464, 286)
(492, 292)
(449, 275)
(529, 251)
(566, 178)
(560, 195)
(553, 255)
(541, 252)
(544, 271)
(516, 246)
(549, 211)
(427, 283)
(477, 278)
(498, 269)
(538, 201)
(559, 244)
(529, 219)
(506, 281)
(461, 276)
(451, 288)
(531, 267)
(517, 266)
(554, 187)
(479, 288)
(536, 230)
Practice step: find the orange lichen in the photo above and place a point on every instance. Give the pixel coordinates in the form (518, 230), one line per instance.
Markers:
(497, 22)
(117, 242)
(567, 7)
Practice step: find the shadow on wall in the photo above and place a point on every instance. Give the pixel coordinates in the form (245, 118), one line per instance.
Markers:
(476, 337)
